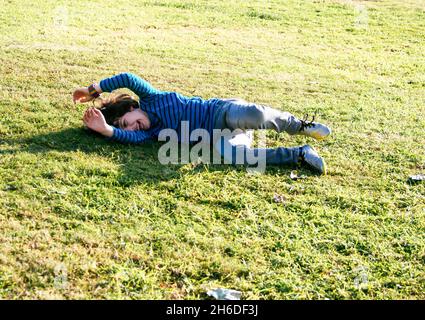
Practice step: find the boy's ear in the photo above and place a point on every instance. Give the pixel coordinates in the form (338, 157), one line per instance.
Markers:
(131, 108)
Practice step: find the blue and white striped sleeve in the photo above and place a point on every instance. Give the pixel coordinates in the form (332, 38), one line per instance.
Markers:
(131, 81)
(133, 137)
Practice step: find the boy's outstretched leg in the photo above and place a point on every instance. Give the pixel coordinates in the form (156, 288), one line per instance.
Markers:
(236, 149)
(240, 114)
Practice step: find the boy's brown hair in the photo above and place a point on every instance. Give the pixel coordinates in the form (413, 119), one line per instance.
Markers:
(116, 106)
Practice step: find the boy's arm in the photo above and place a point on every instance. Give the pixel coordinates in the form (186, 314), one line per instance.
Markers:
(127, 80)
(133, 137)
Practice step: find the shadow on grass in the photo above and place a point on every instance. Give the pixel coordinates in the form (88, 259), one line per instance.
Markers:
(139, 163)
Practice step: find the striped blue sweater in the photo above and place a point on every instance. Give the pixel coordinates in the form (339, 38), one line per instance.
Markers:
(166, 110)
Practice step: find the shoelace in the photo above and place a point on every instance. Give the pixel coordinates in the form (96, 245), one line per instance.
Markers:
(305, 123)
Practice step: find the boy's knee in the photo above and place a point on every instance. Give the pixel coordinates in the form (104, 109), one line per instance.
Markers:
(256, 113)
(253, 116)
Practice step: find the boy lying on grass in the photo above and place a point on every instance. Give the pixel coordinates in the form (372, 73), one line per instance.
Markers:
(124, 119)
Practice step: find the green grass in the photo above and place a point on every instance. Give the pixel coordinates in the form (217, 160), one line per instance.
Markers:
(83, 218)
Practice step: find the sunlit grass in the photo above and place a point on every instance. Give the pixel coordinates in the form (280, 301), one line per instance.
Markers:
(84, 218)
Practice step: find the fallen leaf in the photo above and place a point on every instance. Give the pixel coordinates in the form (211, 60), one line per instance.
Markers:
(224, 294)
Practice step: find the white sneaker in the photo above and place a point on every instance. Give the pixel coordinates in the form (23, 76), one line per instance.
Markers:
(310, 157)
(315, 130)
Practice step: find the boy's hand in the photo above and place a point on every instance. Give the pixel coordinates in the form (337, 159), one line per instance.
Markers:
(82, 95)
(95, 120)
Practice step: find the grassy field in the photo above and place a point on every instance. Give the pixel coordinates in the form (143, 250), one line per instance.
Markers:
(83, 218)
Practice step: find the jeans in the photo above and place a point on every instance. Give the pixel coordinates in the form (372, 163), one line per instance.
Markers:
(241, 117)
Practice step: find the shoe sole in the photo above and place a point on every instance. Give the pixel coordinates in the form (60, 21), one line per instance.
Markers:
(317, 136)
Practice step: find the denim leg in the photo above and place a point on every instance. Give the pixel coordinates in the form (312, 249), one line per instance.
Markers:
(240, 114)
(237, 150)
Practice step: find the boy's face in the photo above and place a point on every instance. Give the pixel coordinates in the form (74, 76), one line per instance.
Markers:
(134, 120)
